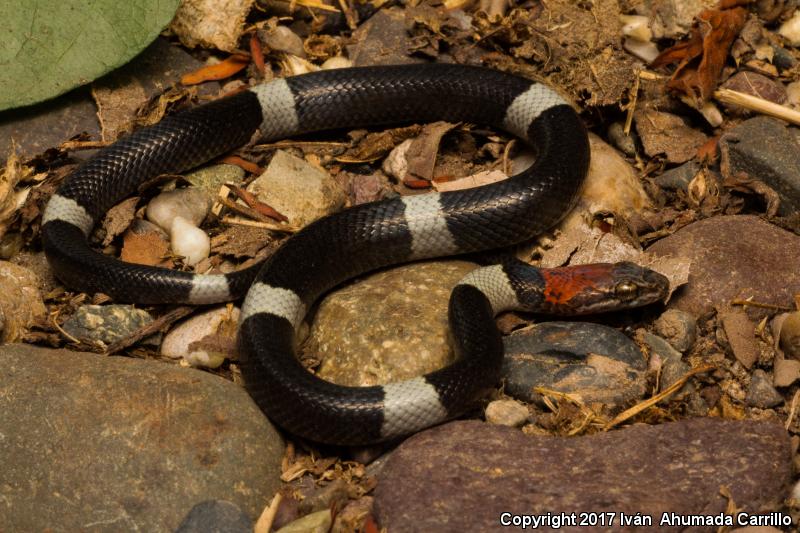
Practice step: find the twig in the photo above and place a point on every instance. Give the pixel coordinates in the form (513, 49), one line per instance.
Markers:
(264, 522)
(236, 221)
(792, 409)
(760, 305)
(669, 391)
(754, 103)
(149, 329)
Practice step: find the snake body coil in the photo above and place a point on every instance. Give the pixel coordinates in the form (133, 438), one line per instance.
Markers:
(357, 240)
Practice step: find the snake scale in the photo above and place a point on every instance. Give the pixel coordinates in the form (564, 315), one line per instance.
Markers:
(363, 238)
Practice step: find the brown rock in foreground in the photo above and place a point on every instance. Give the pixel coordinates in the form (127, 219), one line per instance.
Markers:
(733, 257)
(462, 476)
(93, 443)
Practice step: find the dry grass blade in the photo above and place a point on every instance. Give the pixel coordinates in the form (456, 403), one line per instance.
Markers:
(264, 522)
(754, 103)
(669, 391)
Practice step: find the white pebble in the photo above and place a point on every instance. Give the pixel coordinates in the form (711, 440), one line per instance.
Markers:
(336, 62)
(395, 164)
(793, 94)
(646, 51)
(507, 413)
(189, 241)
(216, 323)
(636, 27)
(190, 203)
(712, 114)
(791, 29)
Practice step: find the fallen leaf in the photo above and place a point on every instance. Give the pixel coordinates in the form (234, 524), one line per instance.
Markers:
(118, 218)
(146, 249)
(218, 71)
(710, 42)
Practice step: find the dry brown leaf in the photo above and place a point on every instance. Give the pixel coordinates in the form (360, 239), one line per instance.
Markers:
(710, 42)
(146, 249)
(119, 218)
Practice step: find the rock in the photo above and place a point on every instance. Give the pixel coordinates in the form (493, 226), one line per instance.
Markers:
(298, 190)
(729, 256)
(190, 203)
(678, 327)
(786, 372)
(216, 516)
(211, 25)
(283, 39)
(672, 19)
(381, 40)
(211, 178)
(790, 335)
(672, 367)
(364, 332)
(625, 143)
(664, 133)
(316, 498)
(594, 362)
(741, 334)
(42, 126)
(675, 467)
(757, 85)
(791, 29)
(21, 301)
(319, 522)
(205, 339)
(678, 178)
(507, 413)
(105, 324)
(761, 393)
(763, 148)
(125, 444)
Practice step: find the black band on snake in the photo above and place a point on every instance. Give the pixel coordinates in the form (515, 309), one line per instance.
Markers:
(363, 238)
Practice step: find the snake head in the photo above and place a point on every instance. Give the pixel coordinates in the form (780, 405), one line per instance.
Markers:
(600, 288)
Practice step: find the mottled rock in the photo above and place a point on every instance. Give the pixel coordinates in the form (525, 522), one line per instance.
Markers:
(20, 303)
(761, 393)
(679, 328)
(283, 39)
(764, 148)
(786, 372)
(594, 362)
(205, 339)
(673, 19)
(211, 178)
(474, 471)
(672, 367)
(216, 516)
(105, 324)
(297, 189)
(353, 516)
(120, 444)
(507, 413)
(623, 142)
(388, 327)
(730, 256)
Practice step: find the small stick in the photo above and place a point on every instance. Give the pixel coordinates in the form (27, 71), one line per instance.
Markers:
(754, 103)
(236, 221)
(669, 391)
(760, 305)
(792, 409)
(264, 522)
(148, 329)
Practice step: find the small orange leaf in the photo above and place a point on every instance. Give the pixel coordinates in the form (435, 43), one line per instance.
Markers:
(412, 183)
(241, 162)
(257, 53)
(219, 71)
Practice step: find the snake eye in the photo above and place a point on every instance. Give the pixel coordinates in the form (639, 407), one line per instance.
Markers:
(626, 291)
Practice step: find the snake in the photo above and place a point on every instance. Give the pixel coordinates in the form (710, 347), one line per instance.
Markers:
(279, 292)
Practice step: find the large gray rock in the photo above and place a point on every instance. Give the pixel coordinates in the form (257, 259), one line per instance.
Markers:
(92, 443)
(462, 476)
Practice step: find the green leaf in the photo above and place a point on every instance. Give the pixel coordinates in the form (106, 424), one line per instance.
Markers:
(48, 47)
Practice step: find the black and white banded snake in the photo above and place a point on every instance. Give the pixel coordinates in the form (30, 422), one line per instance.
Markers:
(360, 239)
